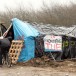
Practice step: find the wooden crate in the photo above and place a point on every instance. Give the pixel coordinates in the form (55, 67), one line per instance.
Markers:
(15, 49)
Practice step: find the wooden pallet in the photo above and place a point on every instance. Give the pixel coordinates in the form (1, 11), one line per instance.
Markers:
(15, 50)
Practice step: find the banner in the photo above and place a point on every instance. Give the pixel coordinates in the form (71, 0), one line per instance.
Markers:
(53, 43)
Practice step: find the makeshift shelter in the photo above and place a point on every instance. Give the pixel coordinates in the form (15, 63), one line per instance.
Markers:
(23, 31)
(62, 47)
(67, 35)
(34, 43)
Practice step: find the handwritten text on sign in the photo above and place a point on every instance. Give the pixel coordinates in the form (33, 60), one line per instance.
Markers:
(52, 42)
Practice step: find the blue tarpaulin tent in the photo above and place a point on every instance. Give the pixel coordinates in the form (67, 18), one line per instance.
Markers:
(27, 33)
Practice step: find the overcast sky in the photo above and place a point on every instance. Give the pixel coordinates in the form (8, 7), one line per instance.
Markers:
(36, 4)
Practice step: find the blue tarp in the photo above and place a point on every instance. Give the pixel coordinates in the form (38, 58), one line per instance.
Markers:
(27, 33)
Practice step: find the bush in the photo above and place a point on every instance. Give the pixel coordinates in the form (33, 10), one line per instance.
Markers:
(56, 15)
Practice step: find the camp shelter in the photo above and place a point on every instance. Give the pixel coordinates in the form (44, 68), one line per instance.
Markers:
(61, 46)
(67, 36)
(26, 32)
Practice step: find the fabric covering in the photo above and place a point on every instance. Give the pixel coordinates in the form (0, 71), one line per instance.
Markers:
(39, 46)
(24, 31)
(69, 47)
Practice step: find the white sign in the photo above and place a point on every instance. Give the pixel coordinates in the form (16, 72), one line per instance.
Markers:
(53, 43)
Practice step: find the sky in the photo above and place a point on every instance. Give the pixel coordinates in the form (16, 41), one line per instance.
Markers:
(35, 4)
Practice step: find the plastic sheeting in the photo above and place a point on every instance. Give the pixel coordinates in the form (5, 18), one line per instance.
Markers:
(69, 47)
(55, 29)
(26, 32)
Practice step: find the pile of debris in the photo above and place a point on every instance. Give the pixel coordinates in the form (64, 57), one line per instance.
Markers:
(44, 61)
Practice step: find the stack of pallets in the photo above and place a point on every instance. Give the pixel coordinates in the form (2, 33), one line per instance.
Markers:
(15, 50)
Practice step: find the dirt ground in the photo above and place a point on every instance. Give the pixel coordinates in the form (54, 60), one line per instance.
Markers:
(33, 71)
(41, 67)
